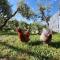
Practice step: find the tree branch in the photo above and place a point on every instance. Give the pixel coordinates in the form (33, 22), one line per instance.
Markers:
(6, 20)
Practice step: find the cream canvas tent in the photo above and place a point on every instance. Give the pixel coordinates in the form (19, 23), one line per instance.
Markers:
(54, 22)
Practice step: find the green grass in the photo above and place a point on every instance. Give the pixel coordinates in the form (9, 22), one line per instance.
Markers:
(12, 47)
(56, 37)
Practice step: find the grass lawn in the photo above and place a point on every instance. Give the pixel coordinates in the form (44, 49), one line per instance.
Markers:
(12, 48)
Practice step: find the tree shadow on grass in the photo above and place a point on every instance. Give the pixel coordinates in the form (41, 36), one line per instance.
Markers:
(34, 43)
(8, 33)
(29, 52)
(52, 44)
(20, 50)
(55, 44)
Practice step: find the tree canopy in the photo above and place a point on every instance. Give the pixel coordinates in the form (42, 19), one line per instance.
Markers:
(23, 9)
(6, 13)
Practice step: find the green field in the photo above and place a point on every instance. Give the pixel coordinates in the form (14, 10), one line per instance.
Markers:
(12, 48)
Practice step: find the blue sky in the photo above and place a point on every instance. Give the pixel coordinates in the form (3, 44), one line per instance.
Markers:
(33, 4)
